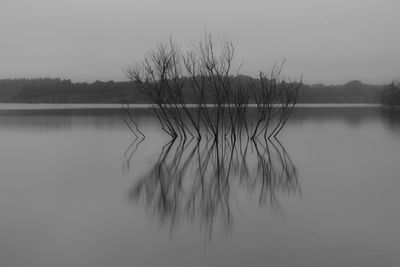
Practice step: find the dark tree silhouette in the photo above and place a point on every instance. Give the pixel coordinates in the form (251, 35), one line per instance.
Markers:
(391, 94)
(195, 93)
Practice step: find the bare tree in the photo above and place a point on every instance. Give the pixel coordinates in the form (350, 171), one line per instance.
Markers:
(167, 76)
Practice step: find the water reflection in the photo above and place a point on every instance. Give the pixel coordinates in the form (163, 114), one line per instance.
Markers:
(45, 120)
(130, 151)
(199, 182)
(66, 199)
(352, 116)
(391, 117)
(67, 119)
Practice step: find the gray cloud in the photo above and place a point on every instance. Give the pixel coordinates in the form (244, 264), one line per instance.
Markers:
(86, 40)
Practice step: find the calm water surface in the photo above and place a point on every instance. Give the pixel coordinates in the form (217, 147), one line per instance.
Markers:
(78, 189)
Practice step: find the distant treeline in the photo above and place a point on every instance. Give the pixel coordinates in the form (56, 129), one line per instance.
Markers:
(47, 90)
(391, 94)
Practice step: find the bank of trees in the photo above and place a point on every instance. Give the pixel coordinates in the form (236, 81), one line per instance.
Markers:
(391, 94)
(197, 93)
(55, 90)
(65, 91)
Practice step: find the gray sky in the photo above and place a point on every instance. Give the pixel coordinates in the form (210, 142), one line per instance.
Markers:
(329, 41)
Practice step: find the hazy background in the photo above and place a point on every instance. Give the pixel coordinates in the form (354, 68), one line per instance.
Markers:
(85, 40)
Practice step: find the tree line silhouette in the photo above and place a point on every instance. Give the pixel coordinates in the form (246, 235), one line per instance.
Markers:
(55, 90)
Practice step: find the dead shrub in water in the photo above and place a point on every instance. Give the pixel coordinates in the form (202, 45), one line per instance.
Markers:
(195, 93)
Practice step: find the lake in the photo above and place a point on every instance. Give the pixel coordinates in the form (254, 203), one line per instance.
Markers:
(77, 188)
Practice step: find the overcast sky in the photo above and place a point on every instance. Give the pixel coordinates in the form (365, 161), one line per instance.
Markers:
(328, 41)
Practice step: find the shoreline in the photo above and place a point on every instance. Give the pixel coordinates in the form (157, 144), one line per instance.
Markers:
(46, 106)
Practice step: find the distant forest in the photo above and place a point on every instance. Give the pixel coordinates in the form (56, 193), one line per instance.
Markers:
(48, 90)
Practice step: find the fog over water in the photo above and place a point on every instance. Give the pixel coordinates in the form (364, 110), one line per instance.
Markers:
(78, 189)
(221, 182)
(329, 42)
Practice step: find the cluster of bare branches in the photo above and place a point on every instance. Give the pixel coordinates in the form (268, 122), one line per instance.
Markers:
(197, 181)
(195, 93)
(130, 122)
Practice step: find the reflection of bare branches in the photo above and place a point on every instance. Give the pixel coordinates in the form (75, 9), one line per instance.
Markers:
(276, 172)
(130, 122)
(196, 181)
(139, 137)
(130, 151)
